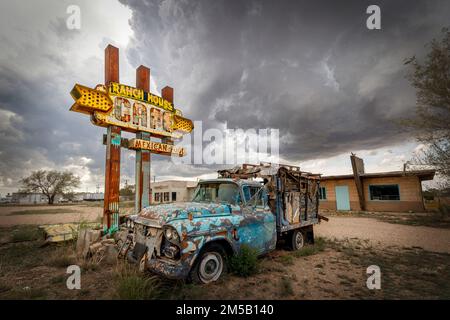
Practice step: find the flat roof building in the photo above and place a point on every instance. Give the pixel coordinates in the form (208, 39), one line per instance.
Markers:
(397, 191)
(172, 190)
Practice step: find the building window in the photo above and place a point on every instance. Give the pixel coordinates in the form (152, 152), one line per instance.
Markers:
(174, 196)
(384, 192)
(322, 193)
(166, 197)
(157, 197)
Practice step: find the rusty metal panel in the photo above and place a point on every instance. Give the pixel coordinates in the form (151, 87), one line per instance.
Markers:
(358, 170)
(293, 207)
(112, 179)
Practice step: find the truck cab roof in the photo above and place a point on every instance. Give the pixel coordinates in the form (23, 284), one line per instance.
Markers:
(239, 182)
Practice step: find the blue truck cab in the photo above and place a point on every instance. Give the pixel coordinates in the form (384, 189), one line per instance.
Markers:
(191, 240)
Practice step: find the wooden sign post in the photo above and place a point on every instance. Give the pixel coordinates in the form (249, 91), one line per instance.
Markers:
(133, 109)
(142, 174)
(112, 165)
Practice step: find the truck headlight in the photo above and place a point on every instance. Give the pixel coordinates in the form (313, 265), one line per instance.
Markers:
(171, 234)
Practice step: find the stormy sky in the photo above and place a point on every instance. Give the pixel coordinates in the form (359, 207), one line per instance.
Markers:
(308, 68)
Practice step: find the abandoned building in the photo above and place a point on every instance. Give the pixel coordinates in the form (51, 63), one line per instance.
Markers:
(172, 190)
(398, 191)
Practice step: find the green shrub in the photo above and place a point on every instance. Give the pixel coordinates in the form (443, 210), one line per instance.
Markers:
(62, 256)
(136, 287)
(58, 279)
(286, 287)
(26, 233)
(286, 260)
(245, 263)
(62, 261)
(131, 285)
(319, 245)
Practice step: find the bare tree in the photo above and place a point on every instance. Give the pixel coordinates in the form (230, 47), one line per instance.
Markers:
(431, 78)
(50, 183)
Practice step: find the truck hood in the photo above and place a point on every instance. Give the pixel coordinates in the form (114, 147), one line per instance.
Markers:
(159, 215)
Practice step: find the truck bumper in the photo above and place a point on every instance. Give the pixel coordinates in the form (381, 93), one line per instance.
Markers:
(172, 270)
(177, 270)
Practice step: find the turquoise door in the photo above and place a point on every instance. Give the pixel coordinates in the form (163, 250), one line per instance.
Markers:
(342, 198)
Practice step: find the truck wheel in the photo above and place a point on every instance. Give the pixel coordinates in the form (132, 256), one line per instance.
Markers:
(297, 240)
(210, 265)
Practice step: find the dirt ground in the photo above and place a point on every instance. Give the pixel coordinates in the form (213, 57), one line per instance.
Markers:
(386, 234)
(379, 232)
(44, 214)
(414, 263)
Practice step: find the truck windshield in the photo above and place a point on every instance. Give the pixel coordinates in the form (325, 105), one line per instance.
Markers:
(217, 192)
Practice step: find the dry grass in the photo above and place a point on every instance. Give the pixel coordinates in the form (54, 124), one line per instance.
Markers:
(329, 269)
(132, 285)
(47, 211)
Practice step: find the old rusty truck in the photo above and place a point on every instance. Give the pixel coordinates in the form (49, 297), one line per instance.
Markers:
(253, 205)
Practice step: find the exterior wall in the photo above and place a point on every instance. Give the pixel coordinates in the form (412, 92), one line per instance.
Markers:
(330, 202)
(183, 189)
(190, 192)
(410, 194)
(90, 196)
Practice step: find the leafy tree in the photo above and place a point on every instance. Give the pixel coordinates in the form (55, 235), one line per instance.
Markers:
(431, 78)
(127, 191)
(50, 183)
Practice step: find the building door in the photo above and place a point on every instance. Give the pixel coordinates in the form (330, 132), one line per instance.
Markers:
(342, 198)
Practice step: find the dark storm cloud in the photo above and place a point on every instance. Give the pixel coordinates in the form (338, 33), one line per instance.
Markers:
(37, 131)
(311, 69)
(40, 60)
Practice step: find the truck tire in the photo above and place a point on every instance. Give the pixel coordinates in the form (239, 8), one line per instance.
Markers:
(210, 265)
(297, 240)
(309, 232)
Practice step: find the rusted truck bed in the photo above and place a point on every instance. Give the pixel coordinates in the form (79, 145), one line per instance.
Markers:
(293, 194)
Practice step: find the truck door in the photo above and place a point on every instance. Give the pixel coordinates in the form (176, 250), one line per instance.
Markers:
(258, 228)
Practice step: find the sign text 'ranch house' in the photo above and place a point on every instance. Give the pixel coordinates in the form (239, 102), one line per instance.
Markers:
(138, 94)
(131, 109)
